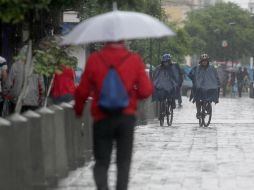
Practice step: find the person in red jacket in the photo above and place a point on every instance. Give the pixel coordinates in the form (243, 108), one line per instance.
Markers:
(63, 88)
(109, 128)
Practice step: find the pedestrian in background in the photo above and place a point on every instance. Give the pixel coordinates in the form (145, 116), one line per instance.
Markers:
(246, 79)
(119, 126)
(33, 98)
(240, 78)
(3, 79)
(64, 87)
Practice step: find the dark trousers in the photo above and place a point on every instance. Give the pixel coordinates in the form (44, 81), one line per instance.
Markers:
(240, 88)
(180, 100)
(198, 106)
(118, 129)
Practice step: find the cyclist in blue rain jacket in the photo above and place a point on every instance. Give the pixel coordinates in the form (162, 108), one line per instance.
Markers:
(206, 83)
(167, 80)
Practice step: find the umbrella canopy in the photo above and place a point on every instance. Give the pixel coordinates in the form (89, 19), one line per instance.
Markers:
(116, 26)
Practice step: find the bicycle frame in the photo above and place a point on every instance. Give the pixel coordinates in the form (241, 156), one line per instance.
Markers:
(166, 110)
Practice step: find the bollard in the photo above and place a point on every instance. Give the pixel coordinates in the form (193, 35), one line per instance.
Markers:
(70, 133)
(19, 147)
(141, 113)
(5, 155)
(251, 90)
(61, 152)
(79, 141)
(87, 139)
(75, 125)
(151, 109)
(36, 147)
(49, 145)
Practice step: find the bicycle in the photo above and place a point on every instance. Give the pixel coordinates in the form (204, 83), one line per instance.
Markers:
(205, 114)
(166, 110)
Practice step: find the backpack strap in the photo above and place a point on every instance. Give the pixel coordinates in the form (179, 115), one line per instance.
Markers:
(114, 66)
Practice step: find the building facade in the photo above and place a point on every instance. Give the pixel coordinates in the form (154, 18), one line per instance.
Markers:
(176, 10)
(251, 6)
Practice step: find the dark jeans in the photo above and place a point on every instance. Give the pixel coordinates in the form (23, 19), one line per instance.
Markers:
(121, 130)
(180, 101)
(240, 88)
(198, 106)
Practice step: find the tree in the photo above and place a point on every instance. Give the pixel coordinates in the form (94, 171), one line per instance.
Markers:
(13, 11)
(226, 22)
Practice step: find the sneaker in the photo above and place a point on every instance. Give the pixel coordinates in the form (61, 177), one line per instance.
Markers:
(180, 105)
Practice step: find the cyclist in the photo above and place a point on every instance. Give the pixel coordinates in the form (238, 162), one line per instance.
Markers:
(206, 83)
(167, 80)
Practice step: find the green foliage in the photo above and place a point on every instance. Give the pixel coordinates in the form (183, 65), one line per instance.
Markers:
(91, 8)
(13, 11)
(51, 58)
(208, 27)
(178, 47)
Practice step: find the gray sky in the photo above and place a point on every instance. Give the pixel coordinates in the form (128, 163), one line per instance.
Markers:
(241, 3)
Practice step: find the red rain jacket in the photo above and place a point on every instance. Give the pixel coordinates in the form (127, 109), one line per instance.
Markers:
(132, 72)
(64, 83)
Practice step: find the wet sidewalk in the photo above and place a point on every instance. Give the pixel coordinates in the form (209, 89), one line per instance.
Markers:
(186, 156)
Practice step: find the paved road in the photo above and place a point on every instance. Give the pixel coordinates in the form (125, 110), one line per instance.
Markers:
(186, 156)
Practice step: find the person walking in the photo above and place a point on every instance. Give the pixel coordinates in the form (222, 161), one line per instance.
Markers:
(34, 94)
(113, 126)
(246, 79)
(33, 98)
(240, 78)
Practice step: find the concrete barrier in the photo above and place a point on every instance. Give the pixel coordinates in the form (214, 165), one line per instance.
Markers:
(49, 145)
(39, 181)
(75, 126)
(5, 155)
(60, 139)
(87, 133)
(20, 159)
(69, 132)
(146, 111)
(40, 147)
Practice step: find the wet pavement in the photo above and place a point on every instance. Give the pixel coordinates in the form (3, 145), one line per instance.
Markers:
(186, 156)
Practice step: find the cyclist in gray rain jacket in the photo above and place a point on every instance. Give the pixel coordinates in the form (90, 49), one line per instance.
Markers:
(206, 83)
(167, 80)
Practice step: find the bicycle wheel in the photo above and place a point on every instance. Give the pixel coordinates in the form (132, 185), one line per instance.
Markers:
(169, 113)
(206, 113)
(161, 113)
